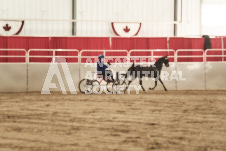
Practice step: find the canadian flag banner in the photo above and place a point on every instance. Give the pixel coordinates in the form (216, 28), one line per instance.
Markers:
(10, 28)
(126, 29)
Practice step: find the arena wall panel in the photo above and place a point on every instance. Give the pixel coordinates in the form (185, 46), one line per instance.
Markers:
(13, 77)
(194, 74)
(199, 76)
(38, 72)
(215, 75)
(196, 78)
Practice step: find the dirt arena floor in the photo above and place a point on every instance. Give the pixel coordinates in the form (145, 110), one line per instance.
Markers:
(158, 120)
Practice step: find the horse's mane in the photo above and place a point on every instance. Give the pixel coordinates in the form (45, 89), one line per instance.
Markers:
(159, 62)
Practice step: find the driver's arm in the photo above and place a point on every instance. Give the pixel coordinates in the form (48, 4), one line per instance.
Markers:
(105, 66)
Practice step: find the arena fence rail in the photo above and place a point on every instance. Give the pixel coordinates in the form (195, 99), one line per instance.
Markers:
(150, 55)
(53, 55)
(90, 56)
(26, 71)
(215, 55)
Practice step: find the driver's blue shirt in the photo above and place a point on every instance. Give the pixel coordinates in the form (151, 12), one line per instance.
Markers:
(101, 67)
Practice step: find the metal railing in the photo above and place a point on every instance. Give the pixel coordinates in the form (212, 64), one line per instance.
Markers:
(53, 55)
(105, 53)
(12, 56)
(221, 57)
(152, 52)
(177, 56)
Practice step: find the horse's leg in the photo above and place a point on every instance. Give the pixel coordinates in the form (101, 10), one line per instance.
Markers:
(162, 84)
(129, 83)
(154, 86)
(156, 79)
(141, 84)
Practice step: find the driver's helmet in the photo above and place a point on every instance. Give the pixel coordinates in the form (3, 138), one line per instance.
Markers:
(101, 56)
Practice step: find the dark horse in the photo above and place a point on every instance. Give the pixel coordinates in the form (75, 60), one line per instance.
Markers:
(154, 71)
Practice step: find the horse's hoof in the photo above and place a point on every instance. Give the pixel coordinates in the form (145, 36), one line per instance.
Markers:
(151, 89)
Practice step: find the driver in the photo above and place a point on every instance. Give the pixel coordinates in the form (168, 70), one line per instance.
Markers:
(101, 70)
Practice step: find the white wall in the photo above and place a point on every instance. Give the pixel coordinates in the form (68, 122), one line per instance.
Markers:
(39, 9)
(109, 10)
(125, 10)
(213, 14)
(191, 20)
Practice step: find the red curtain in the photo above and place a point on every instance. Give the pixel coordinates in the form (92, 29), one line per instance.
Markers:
(100, 43)
(3, 42)
(224, 41)
(139, 43)
(59, 43)
(157, 43)
(88, 43)
(3, 45)
(224, 52)
(40, 43)
(130, 44)
(80, 43)
(121, 43)
(16, 43)
(216, 43)
(186, 43)
(27, 43)
(104, 43)
(193, 56)
(24, 43)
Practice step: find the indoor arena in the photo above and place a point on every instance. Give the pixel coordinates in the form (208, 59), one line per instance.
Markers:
(112, 75)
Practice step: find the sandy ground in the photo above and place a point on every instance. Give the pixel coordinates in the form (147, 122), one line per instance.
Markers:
(174, 120)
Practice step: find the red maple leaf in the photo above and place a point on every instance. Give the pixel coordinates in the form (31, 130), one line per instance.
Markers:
(7, 27)
(126, 29)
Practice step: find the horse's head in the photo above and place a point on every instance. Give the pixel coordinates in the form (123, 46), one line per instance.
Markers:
(166, 61)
